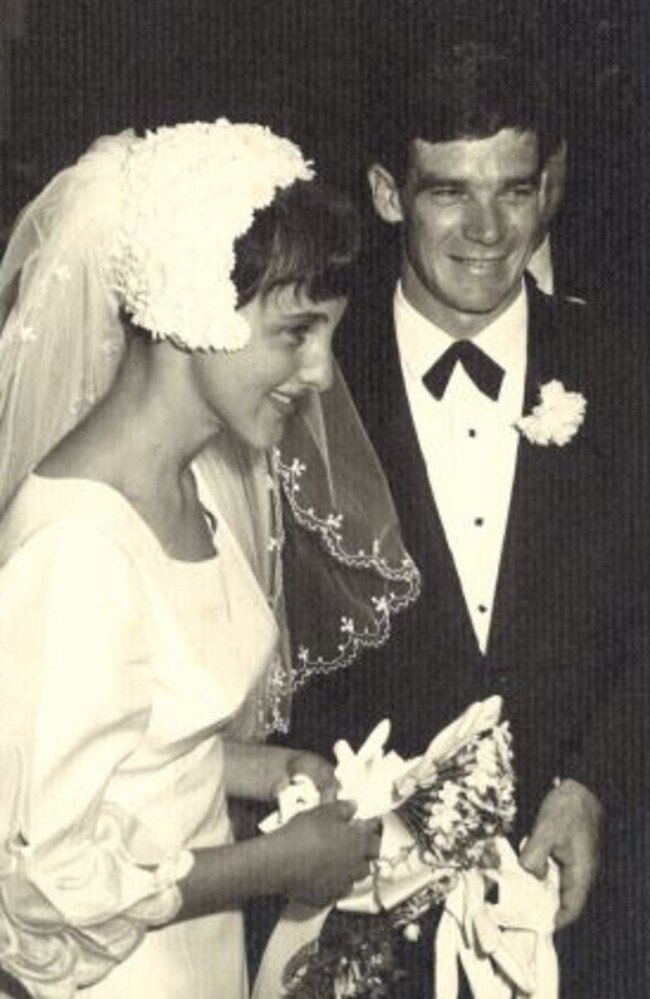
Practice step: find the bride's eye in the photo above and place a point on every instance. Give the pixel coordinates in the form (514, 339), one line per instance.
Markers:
(297, 334)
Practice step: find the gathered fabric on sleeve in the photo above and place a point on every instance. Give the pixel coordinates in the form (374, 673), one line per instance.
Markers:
(81, 879)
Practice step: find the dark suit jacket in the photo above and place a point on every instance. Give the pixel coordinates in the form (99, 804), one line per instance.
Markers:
(568, 645)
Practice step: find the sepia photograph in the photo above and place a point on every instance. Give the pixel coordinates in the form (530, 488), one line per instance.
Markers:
(324, 499)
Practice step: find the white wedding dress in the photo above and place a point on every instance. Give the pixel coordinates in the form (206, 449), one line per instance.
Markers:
(118, 668)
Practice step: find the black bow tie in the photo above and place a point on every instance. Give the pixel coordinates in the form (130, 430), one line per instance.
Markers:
(486, 374)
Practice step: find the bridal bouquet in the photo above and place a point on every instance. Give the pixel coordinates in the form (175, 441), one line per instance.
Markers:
(445, 816)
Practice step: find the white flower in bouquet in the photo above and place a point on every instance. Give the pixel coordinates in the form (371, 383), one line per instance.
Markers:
(441, 813)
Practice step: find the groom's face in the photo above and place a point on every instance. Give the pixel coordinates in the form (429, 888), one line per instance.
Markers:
(470, 212)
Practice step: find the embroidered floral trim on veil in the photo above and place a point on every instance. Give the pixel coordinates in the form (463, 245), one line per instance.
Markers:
(404, 577)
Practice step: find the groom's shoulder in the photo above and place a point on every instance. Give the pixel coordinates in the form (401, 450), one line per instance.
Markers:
(364, 337)
(604, 329)
(377, 275)
(602, 349)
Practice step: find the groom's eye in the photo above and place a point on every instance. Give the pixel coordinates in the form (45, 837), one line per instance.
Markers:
(444, 192)
(519, 192)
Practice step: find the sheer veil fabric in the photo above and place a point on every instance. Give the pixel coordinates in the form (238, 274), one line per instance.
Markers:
(60, 348)
(62, 339)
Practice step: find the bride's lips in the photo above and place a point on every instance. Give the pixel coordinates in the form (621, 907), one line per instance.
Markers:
(285, 403)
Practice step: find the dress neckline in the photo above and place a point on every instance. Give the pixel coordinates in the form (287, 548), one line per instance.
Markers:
(96, 485)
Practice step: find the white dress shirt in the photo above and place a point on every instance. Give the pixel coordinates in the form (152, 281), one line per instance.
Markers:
(469, 444)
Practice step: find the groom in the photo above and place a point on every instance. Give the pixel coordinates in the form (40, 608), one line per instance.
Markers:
(533, 546)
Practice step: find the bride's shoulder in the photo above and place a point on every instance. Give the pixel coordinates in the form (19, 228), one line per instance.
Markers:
(49, 515)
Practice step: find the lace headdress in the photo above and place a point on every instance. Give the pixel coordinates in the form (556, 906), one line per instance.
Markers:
(189, 192)
(146, 226)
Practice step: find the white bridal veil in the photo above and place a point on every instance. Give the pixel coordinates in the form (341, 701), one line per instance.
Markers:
(61, 344)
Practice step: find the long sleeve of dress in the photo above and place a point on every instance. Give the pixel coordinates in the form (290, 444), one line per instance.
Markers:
(80, 879)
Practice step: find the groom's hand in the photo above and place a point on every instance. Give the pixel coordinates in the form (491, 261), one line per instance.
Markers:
(567, 828)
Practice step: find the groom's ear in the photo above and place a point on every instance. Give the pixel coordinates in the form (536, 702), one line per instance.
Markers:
(385, 194)
(553, 182)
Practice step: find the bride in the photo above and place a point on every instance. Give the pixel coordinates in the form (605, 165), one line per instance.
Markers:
(169, 303)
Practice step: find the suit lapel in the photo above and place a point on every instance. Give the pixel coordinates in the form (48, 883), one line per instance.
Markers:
(377, 385)
(563, 480)
(547, 478)
(529, 470)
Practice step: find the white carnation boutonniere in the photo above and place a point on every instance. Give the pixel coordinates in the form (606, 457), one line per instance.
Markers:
(557, 417)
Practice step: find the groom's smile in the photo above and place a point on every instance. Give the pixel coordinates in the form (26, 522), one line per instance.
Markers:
(471, 212)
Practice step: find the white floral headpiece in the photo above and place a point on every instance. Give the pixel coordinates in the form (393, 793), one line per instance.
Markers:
(189, 192)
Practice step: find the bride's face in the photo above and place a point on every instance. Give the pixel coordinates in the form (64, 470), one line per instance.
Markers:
(254, 390)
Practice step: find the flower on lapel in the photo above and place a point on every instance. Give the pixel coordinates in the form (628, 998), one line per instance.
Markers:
(556, 418)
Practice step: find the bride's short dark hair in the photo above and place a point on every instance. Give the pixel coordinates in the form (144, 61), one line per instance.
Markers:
(309, 238)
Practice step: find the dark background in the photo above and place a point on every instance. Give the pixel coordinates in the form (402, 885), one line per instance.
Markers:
(315, 68)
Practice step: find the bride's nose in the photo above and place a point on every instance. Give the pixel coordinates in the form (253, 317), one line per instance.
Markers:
(316, 369)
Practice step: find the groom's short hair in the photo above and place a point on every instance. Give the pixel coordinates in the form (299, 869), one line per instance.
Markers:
(471, 90)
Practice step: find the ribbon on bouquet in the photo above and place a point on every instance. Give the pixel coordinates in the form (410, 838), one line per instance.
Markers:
(505, 947)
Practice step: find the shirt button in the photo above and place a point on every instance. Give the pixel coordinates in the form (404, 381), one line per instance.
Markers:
(479, 521)
(482, 609)
(471, 432)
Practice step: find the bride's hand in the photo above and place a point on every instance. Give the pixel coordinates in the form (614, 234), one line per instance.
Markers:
(326, 852)
(318, 769)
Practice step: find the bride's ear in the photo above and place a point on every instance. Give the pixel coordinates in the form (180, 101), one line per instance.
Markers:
(385, 194)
